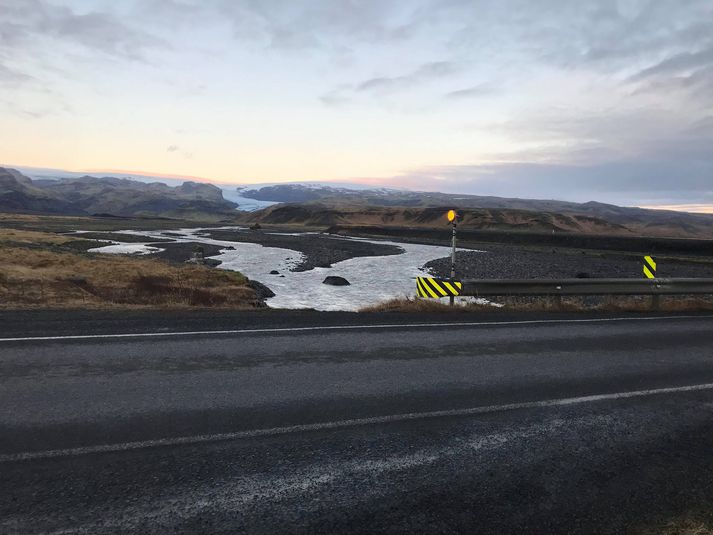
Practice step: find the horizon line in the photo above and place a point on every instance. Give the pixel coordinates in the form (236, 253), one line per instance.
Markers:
(171, 176)
(693, 208)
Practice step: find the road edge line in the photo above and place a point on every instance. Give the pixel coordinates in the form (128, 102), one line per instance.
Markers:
(342, 424)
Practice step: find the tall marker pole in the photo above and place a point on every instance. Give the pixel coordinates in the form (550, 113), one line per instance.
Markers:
(452, 217)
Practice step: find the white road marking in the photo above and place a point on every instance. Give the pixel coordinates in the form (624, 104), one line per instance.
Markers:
(342, 327)
(342, 424)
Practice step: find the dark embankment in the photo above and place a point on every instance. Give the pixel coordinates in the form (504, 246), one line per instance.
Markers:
(473, 238)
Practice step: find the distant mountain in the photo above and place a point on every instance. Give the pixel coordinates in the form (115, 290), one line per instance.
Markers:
(231, 192)
(316, 191)
(115, 196)
(335, 205)
(325, 205)
(19, 194)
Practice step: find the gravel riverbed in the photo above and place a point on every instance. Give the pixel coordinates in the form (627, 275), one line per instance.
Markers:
(318, 250)
(511, 262)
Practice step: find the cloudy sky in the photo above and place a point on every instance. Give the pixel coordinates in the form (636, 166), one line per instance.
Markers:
(593, 99)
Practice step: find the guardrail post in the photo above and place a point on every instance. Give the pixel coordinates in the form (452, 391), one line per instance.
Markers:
(453, 258)
(655, 297)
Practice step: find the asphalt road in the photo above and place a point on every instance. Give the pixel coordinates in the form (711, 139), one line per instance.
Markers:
(497, 426)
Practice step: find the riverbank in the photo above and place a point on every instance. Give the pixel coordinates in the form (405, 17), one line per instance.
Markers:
(44, 270)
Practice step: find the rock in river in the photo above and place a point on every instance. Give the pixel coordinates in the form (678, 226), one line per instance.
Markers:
(262, 291)
(336, 281)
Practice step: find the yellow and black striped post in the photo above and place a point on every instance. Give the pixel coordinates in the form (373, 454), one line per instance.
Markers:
(437, 288)
(453, 218)
(649, 267)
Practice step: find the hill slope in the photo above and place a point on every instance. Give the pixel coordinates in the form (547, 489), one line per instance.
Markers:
(19, 194)
(487, 212)
(324, 215)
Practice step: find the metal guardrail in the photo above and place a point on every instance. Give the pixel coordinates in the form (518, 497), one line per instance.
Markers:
(524, 287)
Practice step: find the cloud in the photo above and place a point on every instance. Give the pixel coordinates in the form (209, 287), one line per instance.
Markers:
(674, 169)
(591, 97)
(12, 77)
(28, 21)
(175, 149)
(690, 73)
(422, 74)
(624, 157)
(382, 85)
(478, 90)
(674, 65)
(336, 97)
(317, 24)
(606, 36)
(620, 182)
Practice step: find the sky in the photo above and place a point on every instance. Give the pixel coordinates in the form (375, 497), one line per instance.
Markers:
(608, 100)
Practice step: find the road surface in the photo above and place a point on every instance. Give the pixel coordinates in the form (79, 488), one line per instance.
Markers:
(441, 424)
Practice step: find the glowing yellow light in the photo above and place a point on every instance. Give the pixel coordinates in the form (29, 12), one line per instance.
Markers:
(451, 215)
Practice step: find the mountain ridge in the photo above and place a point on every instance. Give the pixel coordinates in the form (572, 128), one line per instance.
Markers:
(641, 221)
(326, 206)
(87, 195)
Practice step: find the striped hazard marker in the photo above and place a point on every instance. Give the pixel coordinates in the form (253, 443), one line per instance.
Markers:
(649, 267)
(435, 288)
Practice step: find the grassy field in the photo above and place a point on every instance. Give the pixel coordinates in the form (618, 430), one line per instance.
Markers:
(46, 270)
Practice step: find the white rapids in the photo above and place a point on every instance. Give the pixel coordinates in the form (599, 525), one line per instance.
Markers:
(126, 248)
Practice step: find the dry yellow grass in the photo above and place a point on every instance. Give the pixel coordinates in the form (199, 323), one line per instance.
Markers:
(20, 217)
(60, 223)
(41, 278)
(31, 236)
(415, 304)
